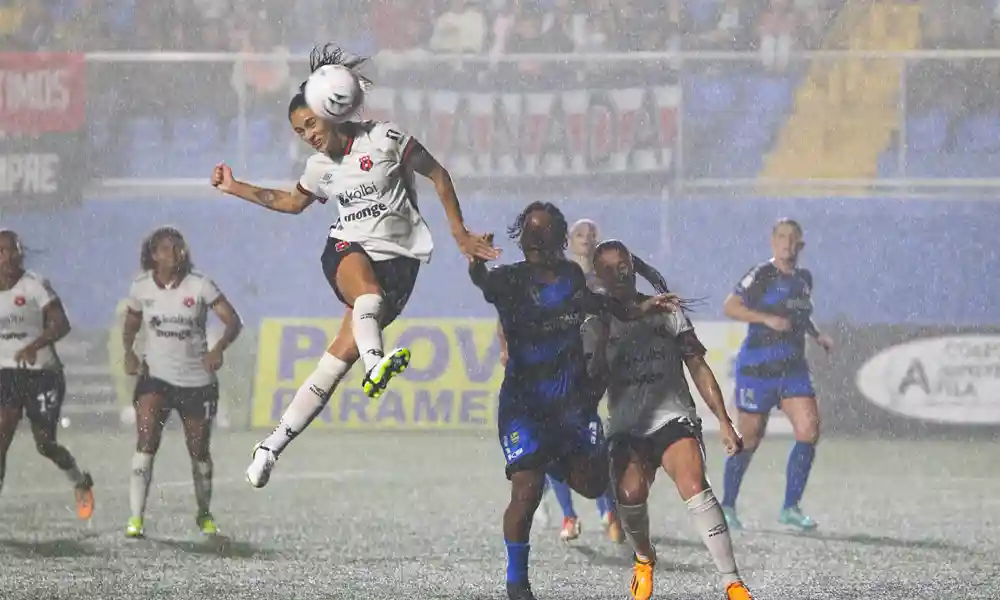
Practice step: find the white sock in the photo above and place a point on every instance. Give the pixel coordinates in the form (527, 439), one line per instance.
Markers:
(308, 402)
(367, 331)
(635, 524)
(706, 514)
(138, 489)
(202, 473)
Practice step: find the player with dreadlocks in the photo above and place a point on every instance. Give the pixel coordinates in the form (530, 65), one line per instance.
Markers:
(652, 420)
(547, 414)
(375, 246)
(583, 236)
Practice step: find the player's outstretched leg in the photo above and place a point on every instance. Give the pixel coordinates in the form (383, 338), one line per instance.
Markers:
(570, 522)
(151, 412)
(45, 442)
(379, 368)
(803, 413)
(683, 462)
(307, 403)
(752, 427)
(525, 493)
(9, 418)
(352, 274)
(198, 437)
(632, 478)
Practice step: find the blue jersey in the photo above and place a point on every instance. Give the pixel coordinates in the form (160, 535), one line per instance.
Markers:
(541, 322)
(766, 352)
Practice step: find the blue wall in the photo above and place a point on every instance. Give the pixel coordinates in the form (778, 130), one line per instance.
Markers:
(874, 261)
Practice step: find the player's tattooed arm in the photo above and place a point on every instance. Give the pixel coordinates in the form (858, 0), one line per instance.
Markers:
(292, 202)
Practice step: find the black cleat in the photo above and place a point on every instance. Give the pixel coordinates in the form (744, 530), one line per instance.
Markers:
(519, 591)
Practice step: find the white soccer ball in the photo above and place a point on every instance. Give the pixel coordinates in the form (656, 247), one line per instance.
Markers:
(334, 93)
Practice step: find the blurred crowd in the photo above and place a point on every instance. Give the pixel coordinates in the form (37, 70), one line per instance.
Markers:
(394, 27)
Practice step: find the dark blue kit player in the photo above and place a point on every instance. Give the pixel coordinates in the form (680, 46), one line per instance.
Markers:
(547, 415)
(775, 298)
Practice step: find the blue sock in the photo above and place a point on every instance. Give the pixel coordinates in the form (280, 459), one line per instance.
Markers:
(517, 561)
(800, 462)
(603, 504)
(736, 468)
(565, 497)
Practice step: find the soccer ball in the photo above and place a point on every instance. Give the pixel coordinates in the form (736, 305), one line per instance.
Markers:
(334, 93)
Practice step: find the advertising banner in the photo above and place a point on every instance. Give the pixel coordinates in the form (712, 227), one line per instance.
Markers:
(452, 381)
(542, 133)
(914, 380)
(42, 109)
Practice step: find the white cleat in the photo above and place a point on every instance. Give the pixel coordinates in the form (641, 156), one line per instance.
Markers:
(259, 470)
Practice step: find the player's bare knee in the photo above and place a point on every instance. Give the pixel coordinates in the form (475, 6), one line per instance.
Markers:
(198, 450)
(808, 434)
(631, 493)
(690, 485)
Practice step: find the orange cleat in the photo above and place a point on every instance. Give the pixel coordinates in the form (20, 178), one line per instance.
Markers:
(738, 591)
(641, 585)
(84, 493)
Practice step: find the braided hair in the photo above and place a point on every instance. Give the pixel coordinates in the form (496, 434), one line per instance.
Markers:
(559, 228)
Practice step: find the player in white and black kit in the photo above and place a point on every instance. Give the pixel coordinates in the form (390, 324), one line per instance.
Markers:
(177, 368)
(652, 419)
(374, 250)
(32, 320)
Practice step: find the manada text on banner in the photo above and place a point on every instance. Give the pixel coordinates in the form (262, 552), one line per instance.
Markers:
(452, 381)
(539, 133)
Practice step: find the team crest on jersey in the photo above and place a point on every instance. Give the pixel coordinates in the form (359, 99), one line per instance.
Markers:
(189, 302)
(341, 246)
(19, 301)
(366, 163)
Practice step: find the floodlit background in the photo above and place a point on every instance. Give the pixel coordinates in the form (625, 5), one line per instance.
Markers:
(683, 127)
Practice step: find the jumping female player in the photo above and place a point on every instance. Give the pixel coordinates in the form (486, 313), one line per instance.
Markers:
(547, 415)
(177, 370)
(652, 419)
(775, 298)
(32, 320)
(374, 249)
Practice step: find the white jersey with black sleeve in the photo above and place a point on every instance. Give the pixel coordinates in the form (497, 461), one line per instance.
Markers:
(174, 319)
(22, 320)
(374, 192)
(645, 361)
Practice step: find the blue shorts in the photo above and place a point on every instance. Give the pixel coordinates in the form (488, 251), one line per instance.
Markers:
(761, 395)
(533, 442)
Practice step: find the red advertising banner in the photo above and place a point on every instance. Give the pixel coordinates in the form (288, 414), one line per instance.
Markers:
(41, 93)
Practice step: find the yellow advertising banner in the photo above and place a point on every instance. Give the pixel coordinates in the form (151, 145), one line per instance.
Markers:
(452, 381)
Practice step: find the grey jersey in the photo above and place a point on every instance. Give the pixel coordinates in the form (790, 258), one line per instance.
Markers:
(374, 193)
(645, 359)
